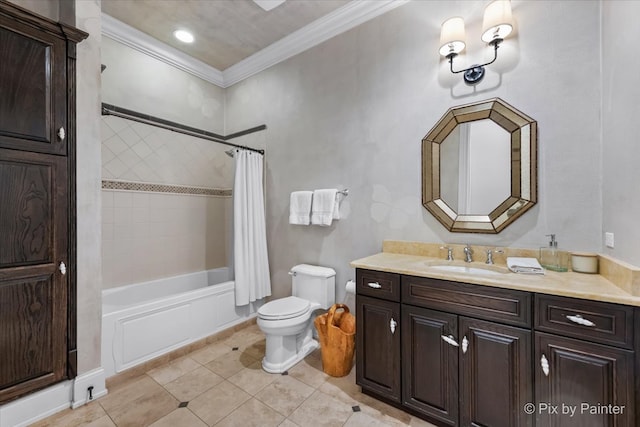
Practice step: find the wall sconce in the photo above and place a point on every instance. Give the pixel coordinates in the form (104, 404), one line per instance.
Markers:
(497, 24)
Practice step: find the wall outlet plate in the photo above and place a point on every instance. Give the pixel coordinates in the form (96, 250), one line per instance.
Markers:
(608, 240)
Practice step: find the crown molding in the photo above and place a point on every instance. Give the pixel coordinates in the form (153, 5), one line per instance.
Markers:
(343, 19)
(142, 42)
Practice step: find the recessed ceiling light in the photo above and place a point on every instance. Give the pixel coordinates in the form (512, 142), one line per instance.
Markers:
(183, 36)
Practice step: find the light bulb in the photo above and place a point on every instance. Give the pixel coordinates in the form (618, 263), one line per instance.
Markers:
(183, 36)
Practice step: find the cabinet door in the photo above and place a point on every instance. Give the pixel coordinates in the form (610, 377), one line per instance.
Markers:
(430, 364)
(378, 346)
(33, 291)
(583, 384)
(33, 104)
(495, 374)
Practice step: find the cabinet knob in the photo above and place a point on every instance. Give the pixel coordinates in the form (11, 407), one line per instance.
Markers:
(61, 134)
(392, 325)
(62, 268)
(374, 285)
(450, 340)
(465, 344)
(576, 318)
(544, 364)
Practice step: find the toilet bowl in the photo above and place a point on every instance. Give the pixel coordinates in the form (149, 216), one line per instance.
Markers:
(288, 322)
(288, 328)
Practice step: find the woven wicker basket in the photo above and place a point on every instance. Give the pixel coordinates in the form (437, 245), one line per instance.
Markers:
(337, 332)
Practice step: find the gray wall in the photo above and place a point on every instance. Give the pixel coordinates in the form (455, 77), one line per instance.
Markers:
(620, 147)
(141, 83)
(351, 113)
(49, 8)
(88, 187)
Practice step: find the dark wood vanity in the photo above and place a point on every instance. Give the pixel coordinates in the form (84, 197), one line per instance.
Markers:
(461, 354)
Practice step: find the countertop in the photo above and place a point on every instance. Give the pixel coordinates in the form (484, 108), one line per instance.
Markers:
(594, 287)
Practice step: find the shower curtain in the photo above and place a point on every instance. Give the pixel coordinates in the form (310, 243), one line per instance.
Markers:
(251, 262)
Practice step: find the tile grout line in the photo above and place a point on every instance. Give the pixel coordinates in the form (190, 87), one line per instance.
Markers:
(106, 413)
(200, 394)
(196, 415)
(235, 408)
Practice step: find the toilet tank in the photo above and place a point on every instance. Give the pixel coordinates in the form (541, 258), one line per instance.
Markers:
(315, 284)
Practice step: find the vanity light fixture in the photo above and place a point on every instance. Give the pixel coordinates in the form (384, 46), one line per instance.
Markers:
(497, 24)
(184, 36)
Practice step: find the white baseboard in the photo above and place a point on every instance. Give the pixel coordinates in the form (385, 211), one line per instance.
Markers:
(95, 379)
(36, 406)
(44, 403)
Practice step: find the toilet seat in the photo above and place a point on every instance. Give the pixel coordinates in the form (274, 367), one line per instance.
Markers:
(284, 308)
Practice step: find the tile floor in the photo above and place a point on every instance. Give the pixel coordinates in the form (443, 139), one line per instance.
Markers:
(223, 384)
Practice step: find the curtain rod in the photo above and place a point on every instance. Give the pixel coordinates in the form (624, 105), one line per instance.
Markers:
(112, 110)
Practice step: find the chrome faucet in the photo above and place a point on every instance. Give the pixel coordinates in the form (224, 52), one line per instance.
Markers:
(449, 252)
(468, 252)
(490, 253)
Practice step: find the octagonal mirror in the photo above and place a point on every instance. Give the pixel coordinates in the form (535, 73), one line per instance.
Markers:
(479, 167)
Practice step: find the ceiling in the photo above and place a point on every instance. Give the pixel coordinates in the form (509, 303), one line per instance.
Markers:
(226, 31)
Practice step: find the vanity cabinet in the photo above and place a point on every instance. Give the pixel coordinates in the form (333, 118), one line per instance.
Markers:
(475, 355)
(463, 370)
(494, 374)
(430, 365)
(585, 363)
(377, 329)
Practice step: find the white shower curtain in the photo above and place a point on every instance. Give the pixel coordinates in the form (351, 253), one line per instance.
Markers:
(251, 262)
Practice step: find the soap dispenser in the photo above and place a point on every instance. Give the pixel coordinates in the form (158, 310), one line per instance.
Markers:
(552, 258)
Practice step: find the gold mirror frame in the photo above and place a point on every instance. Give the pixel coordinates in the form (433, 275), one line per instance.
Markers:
(524, 164)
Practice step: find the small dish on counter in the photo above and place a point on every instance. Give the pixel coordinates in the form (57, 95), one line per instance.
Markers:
(584, 262)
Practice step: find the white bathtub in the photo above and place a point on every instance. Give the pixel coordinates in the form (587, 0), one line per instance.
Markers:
(145, 320)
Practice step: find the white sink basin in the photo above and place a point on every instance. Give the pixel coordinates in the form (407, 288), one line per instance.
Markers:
(480, 270)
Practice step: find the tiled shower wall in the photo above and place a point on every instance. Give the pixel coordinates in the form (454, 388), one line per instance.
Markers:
(166, 203)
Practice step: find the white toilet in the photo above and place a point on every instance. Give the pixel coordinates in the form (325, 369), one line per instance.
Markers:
(288, 322)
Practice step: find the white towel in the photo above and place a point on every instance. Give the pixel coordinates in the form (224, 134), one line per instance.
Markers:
(300, 207)
(336, 207)
(524, 265)
(323, 207)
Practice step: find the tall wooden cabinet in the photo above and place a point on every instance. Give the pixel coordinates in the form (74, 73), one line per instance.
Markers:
(37, 201)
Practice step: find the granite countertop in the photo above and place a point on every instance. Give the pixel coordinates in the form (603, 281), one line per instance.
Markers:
(615, 284)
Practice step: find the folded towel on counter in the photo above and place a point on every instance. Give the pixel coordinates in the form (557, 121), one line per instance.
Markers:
(323, 206)
(300, 207)
(524, 265)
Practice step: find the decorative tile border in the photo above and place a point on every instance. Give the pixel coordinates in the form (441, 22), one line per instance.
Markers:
(163, 188)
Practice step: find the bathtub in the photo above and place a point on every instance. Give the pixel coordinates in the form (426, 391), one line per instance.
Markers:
(145, 320)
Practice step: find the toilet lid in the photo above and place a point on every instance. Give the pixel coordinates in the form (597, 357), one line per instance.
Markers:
(284, 308)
